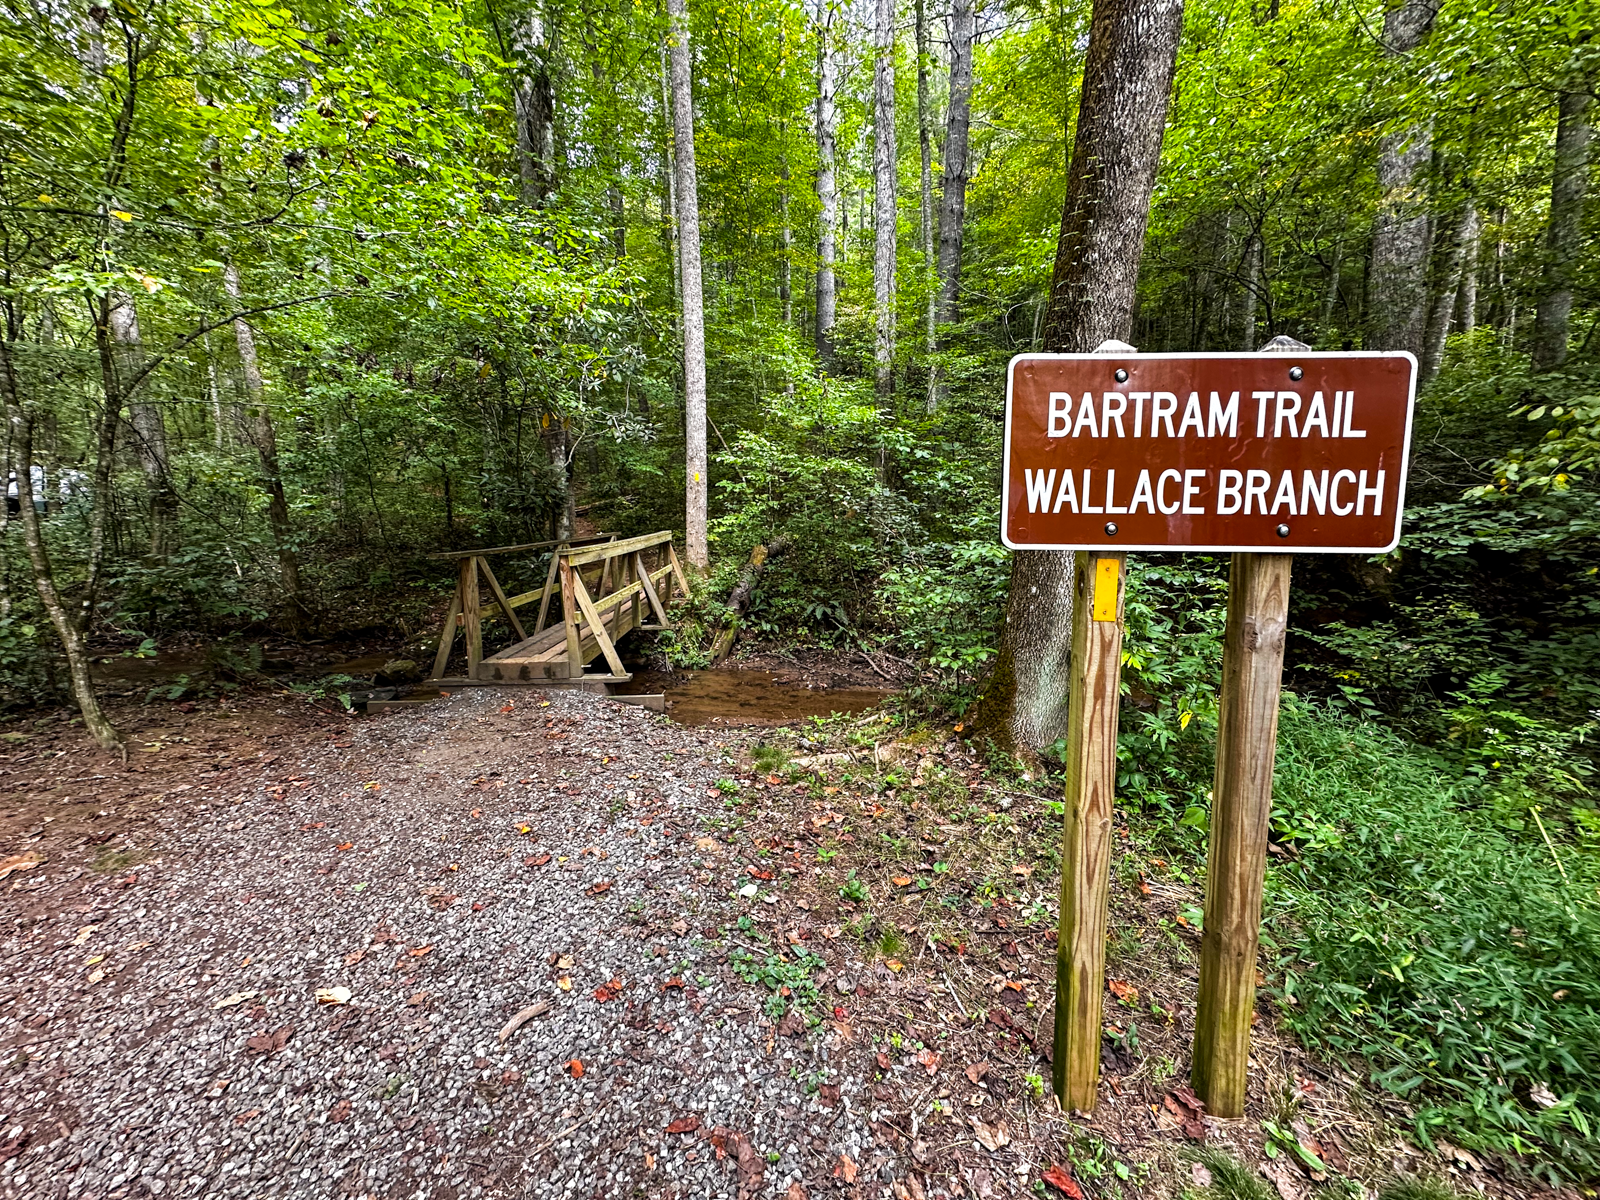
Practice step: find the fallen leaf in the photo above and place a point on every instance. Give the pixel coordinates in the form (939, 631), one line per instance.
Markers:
(21, 862)
(901, 881)
(333, 995)
(894, 964)
(241, 1118)
(339, 1112)
(1283, 1179)
(476, 813)
(347, 845)
(883, 1061)
(795, 1192)
(217, 1088)
(828, 1095)
(845, 1169)
(536, 860)
(686, 1124)
(1123, 990)
(608, 991)
(417, 999)
(565, 983)
(269, 1043)
(235, 998)
(977, 1071)
(604, 885)
(354, 957)
(575, 1067)
(1200, 1175)
(1061, 1179)
(84, 934)
(419, 951)
(991, 1136)
(680, 927)
(673, 981)
(930, 1059)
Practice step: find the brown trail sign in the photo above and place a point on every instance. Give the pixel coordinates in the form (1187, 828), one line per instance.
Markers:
(1257, 454)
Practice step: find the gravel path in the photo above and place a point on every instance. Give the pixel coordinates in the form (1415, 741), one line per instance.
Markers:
(447, 868)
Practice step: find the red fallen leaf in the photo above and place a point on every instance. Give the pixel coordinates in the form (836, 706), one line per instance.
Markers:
(1144, 888)
(604, 885)
(269, 1043)
(755, 874)
(507, 707)
(339, 1112)
(347, 845)
(1123, 990)
(1061, 1179)
(476, 813)
(536, 860)
(575, 1067)
(883, 1061)
(901, 881)
(1000, 1017)
(419, 951)
(977, 1071)
(718, 1138)
(930, 1059)
(477, 906)
(845, 1169)
(608, 991)
(241, 1118)
(354, 957)
(675, 981)
(686, 1124)
(828, 1095)
(310, 825)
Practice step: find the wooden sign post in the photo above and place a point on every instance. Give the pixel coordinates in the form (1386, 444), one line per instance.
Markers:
(1253, 455)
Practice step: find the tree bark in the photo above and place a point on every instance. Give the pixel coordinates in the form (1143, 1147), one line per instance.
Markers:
(694, 330)
(1127, 81)
(120, 319)
(1564, 234)
(535, 109)
(1450, 262)
(885, 193)
(265, 439)
(1467, 293)
(70, 627)
(827, 182)
(953, 177)
(1397, 280)
(925, 208)
(1251, 295)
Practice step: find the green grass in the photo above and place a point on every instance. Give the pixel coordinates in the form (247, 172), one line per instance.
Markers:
(1445, 949)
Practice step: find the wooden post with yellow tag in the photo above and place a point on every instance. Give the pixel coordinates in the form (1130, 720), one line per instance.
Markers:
(1091, 762)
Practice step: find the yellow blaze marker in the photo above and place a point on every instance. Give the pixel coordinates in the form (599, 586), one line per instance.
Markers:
(1105, 589)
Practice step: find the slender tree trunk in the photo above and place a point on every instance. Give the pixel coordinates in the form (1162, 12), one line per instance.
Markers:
(885, 193)
(1450, 262)
(1564, 234)
(265, 438)
(1127, 80)
(669, 191)
(148, 426)
(785, 261)
(1467, 294)
(70, 627)
(925, 209)
(535, 106)
(827, 182)
(1330, 298)
(694, 330)
(953, 179)
(1251, 294)
(1397, 281)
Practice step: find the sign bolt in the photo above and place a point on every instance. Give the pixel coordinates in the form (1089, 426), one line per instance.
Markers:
(1111, 529)
(1283, 531)
(1296, 374)
(1122, 376)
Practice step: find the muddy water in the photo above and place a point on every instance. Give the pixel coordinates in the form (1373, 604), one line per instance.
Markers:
(740, 697)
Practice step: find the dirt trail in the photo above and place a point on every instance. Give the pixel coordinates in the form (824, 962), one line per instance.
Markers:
(448, 867)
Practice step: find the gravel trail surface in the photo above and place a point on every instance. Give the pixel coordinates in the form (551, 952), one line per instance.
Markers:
(430, 874)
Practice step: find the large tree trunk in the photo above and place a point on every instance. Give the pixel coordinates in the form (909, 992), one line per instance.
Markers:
(71, 627)
(1564, 235)
(265, 439)
(925, 207)
(884, 196)
(1127, 80)
(827, 181)
(535, 105)
(1397, 280)
(694, 328)
(148, 426)
(953, 179)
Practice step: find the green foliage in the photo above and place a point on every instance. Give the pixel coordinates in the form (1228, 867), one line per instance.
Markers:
(1445, 948)
(791, 981)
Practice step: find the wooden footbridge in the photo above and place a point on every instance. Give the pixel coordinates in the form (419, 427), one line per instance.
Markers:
(633, 578)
